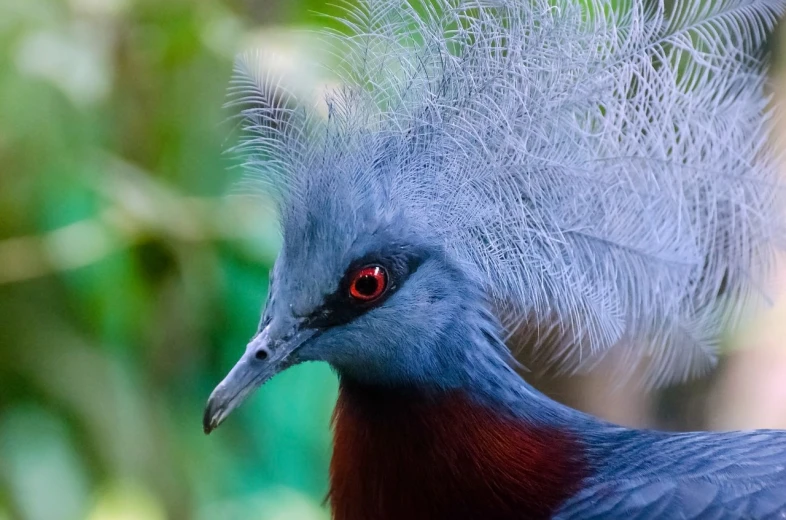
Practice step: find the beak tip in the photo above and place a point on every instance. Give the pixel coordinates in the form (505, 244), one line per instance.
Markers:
(210, 420)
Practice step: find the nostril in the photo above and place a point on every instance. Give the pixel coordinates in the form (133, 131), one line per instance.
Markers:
(261, 354)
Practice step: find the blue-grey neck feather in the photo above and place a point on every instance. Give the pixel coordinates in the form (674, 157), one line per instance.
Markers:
(602, 167)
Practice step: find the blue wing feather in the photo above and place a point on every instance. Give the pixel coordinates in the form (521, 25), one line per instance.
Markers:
(649, 475)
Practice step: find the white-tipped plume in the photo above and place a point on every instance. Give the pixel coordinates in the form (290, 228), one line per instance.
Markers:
(603, 165)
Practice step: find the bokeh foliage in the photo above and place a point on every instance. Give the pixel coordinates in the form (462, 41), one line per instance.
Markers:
(129, 282)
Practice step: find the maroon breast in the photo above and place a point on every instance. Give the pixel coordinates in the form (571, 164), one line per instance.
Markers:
(400, 454)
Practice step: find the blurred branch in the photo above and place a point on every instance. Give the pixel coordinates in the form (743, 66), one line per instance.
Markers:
(139, 207)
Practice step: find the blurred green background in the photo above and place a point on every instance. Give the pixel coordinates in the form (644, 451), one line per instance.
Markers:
(130, 281)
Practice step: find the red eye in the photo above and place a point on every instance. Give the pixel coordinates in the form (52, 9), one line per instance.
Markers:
(368, 283)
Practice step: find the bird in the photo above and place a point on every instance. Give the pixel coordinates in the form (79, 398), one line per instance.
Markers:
(597, 176)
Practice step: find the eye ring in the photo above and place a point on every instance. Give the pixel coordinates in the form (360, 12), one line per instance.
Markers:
(368, 283)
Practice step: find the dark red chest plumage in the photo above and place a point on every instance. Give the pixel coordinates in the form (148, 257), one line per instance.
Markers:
(402, 455)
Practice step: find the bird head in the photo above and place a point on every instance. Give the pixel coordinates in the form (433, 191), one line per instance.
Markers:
(562, 180)
(363, 287)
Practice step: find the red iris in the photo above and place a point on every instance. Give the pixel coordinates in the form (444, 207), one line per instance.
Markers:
(368, 283)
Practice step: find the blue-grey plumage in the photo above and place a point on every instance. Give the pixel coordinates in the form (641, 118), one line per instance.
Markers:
(597, 171)
(651, 475)
(602, 168)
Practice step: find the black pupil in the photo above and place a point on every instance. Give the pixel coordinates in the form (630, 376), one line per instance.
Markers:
(367, 285)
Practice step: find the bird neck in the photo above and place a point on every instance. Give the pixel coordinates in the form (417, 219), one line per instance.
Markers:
(406, 452)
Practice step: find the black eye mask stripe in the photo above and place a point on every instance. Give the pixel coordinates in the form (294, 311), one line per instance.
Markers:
(340, 308)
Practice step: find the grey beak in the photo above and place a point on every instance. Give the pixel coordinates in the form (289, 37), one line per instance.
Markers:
(233, 390)
(262, 360)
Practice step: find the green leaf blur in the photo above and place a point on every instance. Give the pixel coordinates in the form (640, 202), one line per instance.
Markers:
(129, 280)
